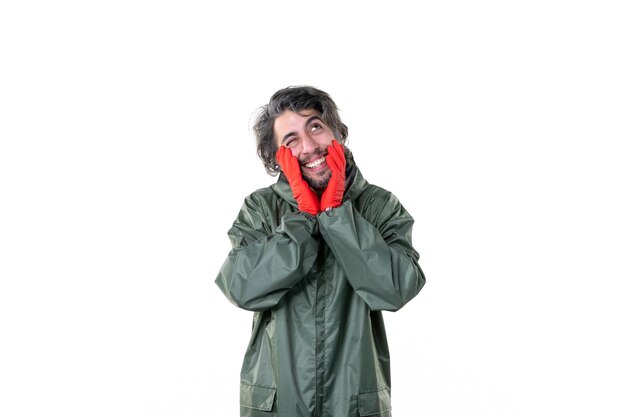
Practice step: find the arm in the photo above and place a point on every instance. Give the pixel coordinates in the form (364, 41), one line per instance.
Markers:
(263, 265)
(378, 260)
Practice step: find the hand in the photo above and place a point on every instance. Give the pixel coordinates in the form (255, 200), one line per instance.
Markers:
(304, 195)
(336, 160)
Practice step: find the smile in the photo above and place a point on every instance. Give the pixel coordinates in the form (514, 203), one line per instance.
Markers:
(315, 163)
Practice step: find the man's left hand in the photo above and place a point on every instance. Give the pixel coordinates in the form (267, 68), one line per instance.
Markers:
(336, 160)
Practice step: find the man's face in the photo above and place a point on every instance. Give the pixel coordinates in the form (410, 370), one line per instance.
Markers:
(307, 136)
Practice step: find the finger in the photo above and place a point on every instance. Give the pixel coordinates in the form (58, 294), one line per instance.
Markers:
(331, 158)
(340, 153)
(280, 157)
(332, 149)
(294, 168)
(334, 168)
(287, 164)
(335, 147)
(295, 164)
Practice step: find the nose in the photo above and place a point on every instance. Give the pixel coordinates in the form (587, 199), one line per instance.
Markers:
(309, 145)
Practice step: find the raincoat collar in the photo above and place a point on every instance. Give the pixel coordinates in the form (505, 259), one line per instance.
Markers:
(355, 183)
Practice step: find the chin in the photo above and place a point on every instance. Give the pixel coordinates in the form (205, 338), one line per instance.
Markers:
(318, 183)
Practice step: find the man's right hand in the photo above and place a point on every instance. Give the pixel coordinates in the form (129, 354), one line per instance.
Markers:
(304, 195)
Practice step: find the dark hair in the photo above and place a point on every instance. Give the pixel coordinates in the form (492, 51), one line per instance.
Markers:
(296, 99)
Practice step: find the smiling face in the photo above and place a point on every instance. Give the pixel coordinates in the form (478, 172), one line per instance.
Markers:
(307, 136)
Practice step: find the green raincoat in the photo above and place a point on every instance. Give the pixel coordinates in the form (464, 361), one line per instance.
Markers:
(317, 285)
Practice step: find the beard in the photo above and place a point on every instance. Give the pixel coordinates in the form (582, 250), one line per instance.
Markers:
(319, 182)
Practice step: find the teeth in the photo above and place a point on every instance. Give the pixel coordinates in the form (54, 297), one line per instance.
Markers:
(315, 163)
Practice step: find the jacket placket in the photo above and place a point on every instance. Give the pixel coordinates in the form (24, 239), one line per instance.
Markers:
(320, 334)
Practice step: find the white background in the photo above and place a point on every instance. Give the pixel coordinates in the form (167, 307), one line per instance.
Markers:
(126, 154)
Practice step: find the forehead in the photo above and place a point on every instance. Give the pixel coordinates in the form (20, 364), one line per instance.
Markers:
(291, 121)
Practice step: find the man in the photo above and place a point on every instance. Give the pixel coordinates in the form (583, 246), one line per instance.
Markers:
(317, 256)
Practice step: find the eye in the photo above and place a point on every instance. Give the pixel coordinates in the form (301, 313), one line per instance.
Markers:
(291, 143)
(315, 126)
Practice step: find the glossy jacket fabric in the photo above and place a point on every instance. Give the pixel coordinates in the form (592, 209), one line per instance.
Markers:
(317, 285)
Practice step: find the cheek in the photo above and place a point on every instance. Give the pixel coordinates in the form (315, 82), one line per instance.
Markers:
(326, 141)
(295, 151)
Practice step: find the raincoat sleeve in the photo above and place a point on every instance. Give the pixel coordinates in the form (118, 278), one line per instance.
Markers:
(264, 264)
(377, 257)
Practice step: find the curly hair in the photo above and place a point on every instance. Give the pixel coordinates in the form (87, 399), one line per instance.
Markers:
(296, 99)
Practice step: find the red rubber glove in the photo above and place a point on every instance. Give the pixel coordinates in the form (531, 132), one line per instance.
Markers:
(304, 195)
(336, 160)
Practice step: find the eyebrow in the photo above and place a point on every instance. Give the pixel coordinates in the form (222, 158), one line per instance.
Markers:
(308, 122)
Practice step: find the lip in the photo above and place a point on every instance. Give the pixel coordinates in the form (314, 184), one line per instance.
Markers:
(320, 167)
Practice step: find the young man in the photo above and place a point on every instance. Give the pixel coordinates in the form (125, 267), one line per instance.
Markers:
(317, 256)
